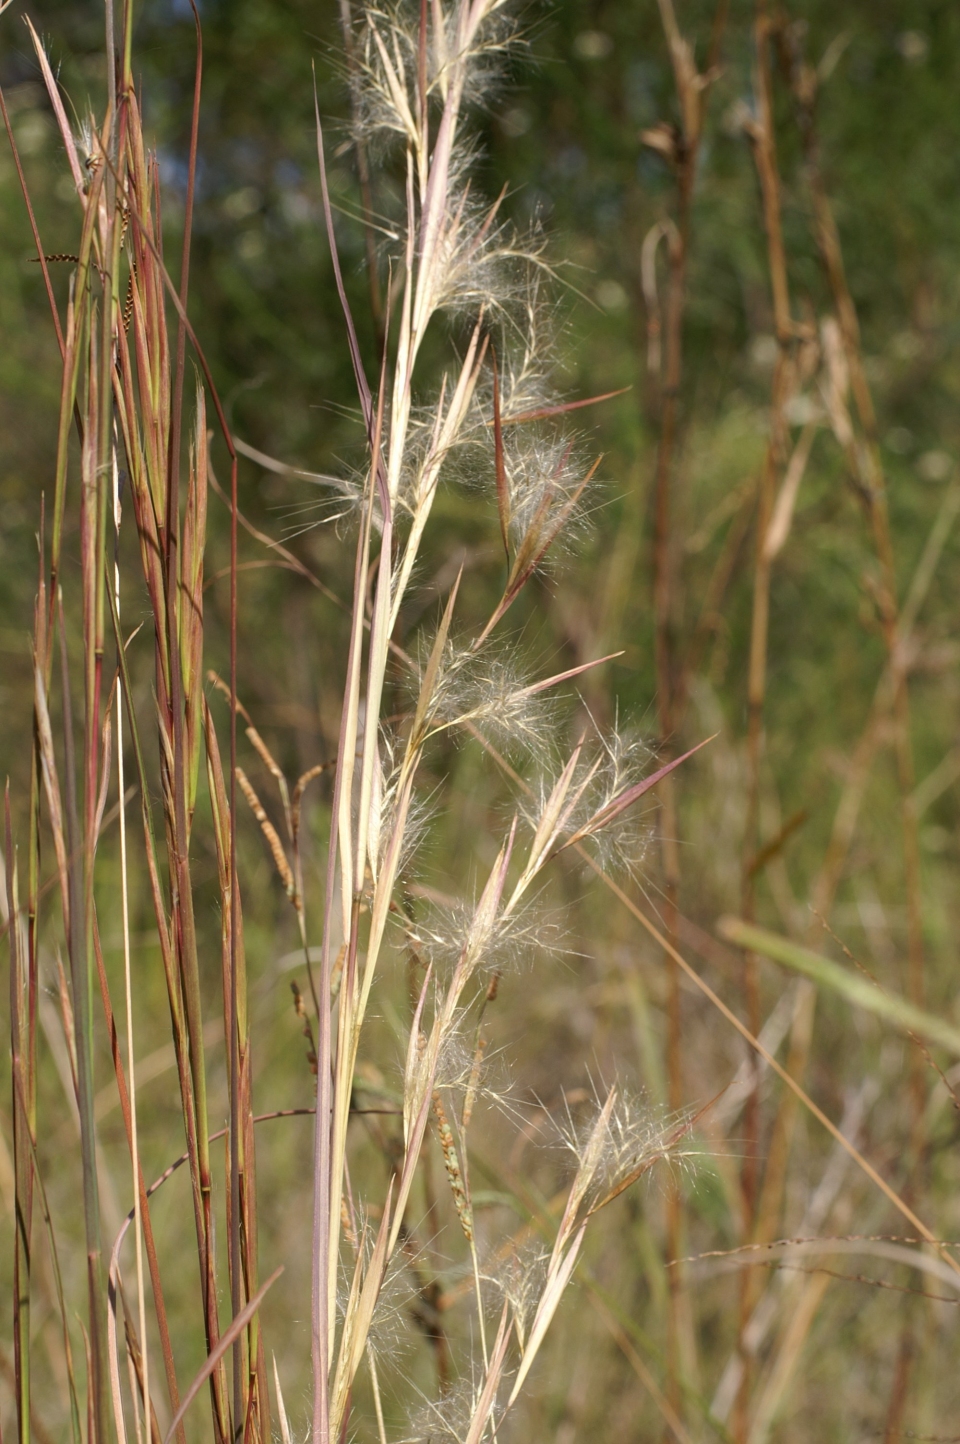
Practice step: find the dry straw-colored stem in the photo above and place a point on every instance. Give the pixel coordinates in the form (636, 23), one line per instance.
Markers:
(665, 366)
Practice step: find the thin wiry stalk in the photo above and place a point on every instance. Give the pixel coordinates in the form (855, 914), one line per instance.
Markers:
(763, 140)
(41, 255)
(891, 1195)
(81, 356)
(128, 991)
(870, 477)
(775, 522)
(824, 887)
(151, 254)
(174, 604)
(683, 152)
(363, 174)
(124, 692)
(157, 509)
(872, 485)
(76, 1432)
(23, 1108)
(125, 169)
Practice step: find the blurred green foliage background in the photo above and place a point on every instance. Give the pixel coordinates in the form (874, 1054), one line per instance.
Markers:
(563, 136)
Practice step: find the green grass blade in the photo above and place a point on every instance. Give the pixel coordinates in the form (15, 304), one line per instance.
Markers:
(857, 990)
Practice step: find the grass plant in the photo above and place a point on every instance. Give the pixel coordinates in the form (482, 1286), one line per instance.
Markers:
(427, 1235)
(123, 395)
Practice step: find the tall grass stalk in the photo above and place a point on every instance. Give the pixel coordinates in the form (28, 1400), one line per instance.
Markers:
(682, 149)
(414, 81)
(762, 1207)
(128, 999)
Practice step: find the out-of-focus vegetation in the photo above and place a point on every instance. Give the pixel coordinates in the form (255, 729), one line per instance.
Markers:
(586, 136)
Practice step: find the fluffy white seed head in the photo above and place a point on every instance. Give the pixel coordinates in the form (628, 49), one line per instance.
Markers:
(490, 691)
(386, 81)
(446, 1420)
(340, 501)
(390, 1333)
(614, 762)
(444, 936)
(637, 1136)
(544, 471)
(384, 815)
(518, 1279)
(482, 263)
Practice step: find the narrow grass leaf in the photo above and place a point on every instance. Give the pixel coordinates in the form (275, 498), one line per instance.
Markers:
(226, 1340)
(857, 990)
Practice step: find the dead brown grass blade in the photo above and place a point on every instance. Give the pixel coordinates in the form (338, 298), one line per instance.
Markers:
(233, 1332)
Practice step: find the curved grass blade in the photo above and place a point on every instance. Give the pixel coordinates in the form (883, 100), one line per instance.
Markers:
(859, 991)
(235, 1330)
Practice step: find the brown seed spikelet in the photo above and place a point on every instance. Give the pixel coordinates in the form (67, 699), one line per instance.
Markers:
(269, 832)
(452, 1164)
(474, 1083)
(299, 1007)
